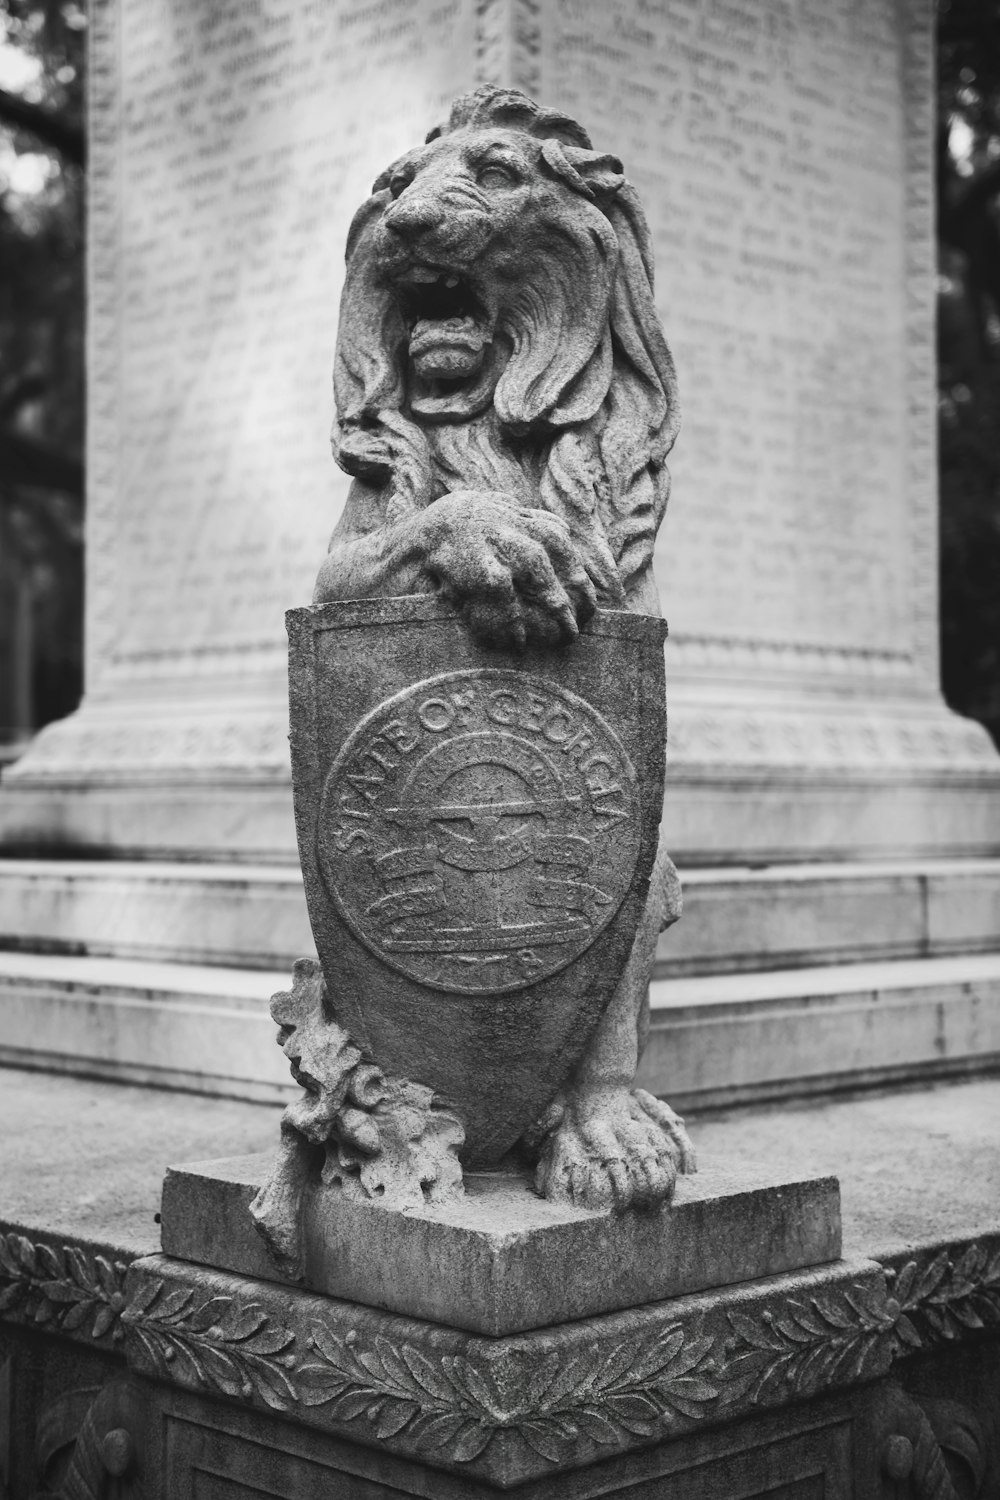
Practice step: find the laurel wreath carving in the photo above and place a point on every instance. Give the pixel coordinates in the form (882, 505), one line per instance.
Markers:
(218, 1343)
(64, 1288)
(848, 1331)
(939, 1298)
(841, 1332)
(440, 1400)
(607, 1395)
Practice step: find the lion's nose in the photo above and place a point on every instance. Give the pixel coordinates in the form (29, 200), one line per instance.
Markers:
(412, 216)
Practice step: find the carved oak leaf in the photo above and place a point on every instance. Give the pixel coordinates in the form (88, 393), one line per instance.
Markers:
(218, 1343)
(459, 1404)
(64, 1287)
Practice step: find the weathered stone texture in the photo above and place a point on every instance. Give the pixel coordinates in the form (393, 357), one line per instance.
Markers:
(499, 1259)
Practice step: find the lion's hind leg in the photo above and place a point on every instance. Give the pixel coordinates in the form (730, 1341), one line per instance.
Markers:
(603, 1143)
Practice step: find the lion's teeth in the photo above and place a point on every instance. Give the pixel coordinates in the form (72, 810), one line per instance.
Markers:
(451, 281)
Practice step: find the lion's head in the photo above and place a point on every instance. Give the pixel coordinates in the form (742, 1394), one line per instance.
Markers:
(498, 319)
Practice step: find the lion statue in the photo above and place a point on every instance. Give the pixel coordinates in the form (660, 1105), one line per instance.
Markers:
(506, 404)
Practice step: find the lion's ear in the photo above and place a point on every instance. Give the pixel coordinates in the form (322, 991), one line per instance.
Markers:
(598, 177)
(368, 367)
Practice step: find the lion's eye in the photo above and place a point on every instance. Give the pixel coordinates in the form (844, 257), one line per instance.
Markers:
(495, 176)
(399, 182)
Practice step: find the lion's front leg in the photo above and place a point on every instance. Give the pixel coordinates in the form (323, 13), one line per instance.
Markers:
(514, 572)
(604, 1143)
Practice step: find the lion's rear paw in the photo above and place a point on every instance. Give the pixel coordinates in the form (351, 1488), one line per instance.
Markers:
(615, 1151)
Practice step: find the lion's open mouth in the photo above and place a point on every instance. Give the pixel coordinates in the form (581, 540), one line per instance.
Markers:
(449, 327)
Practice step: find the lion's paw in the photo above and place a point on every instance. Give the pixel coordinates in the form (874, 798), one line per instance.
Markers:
(614, 1151)
(514, 572)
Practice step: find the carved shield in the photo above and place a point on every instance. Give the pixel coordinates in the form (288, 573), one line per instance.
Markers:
(477, 831)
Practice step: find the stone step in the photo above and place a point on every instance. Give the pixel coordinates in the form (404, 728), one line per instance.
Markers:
(253, 916)
(735, 918)
(179, 1026)
(783, 916)
(714, 1040)
(724, 1039)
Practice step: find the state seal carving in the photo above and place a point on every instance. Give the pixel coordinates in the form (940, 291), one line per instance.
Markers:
(479, 830)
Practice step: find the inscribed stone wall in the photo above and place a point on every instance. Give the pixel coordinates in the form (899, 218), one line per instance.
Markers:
(248, 136)
(768, 145)
(783, 150)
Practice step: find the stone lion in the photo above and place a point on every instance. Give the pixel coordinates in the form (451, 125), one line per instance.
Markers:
(506, 404)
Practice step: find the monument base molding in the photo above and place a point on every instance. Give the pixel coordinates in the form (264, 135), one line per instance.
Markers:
(186, 1381)
(835, 1380)
(777, 774)
(165, 770)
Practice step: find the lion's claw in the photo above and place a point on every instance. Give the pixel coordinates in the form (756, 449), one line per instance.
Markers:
(614, 1152)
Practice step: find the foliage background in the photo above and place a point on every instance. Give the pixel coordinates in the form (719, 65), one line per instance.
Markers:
(969, 354)
(42, 80)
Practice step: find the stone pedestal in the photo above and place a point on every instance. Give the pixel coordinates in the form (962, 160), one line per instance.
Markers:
(488, 1337)
(502, 1260)
(785, 160)
(233, 1387)
(426, 1404)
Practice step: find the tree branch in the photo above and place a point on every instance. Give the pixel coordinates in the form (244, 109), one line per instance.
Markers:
(51, 127)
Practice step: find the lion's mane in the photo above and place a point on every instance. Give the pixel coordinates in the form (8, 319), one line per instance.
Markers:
(587, 401)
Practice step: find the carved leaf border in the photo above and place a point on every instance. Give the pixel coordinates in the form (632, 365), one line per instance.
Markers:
(452, 1405)
(850, 1332)
(62, 1288)
(841, 1333)
(943, 1296)
(216, 1343)
(607, 1395)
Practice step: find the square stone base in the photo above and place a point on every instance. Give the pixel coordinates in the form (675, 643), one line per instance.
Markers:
(502, 1260)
